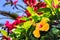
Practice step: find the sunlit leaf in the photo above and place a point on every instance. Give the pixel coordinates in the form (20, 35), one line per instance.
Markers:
(27, 25)
(4, 32)
(56, 2)
(49, 2)
(24, 18)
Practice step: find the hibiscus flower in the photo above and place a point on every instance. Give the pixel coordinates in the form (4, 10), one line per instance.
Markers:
(41, 26)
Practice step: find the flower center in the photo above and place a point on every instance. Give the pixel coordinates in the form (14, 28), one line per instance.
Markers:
(40, 26)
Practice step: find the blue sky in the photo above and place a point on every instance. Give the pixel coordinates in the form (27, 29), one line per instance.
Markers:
(8, 8)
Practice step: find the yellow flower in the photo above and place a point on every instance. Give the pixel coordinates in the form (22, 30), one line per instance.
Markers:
(36, 33)
(41, 26)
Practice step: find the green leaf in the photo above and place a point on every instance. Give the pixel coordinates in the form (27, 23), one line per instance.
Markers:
(56, 26)
(24, 18)
(44, 38)
(30, 33)
(36, 18)
(59, 9)
(18, 30)
(44, 10)
(27, 25)
(49, 2)
(47, 14)
(55, 30)
(4, 32)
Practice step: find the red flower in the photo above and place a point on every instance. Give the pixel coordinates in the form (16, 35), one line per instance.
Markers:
(9, 26)
(40, 5)
(30, 2)
(6, 38)
(27, 13)
(25, 1)
(18, 22)
(12, 26)
(19, 17)
(35, 8)
(43, 5)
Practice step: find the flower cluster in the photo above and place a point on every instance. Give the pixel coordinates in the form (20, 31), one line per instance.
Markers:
(13, 25)
(41, 26)
(39, 18)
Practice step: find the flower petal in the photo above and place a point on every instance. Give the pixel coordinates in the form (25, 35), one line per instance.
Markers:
(45, 27)
(36, 33)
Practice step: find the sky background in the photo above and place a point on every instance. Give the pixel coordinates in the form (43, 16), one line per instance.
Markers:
(8, 8)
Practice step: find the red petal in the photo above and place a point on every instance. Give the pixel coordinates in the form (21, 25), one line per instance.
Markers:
(27, 13)
(40, 25)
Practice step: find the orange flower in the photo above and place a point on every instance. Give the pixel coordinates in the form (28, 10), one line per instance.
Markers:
(41, 26)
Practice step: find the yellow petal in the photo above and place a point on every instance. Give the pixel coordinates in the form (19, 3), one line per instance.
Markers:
(44, 20)
(36, 33)
(37, 26)
(45, 27)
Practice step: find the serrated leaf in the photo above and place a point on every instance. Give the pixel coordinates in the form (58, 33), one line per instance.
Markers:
(49, 2)
(4, 32)
(27, 25)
